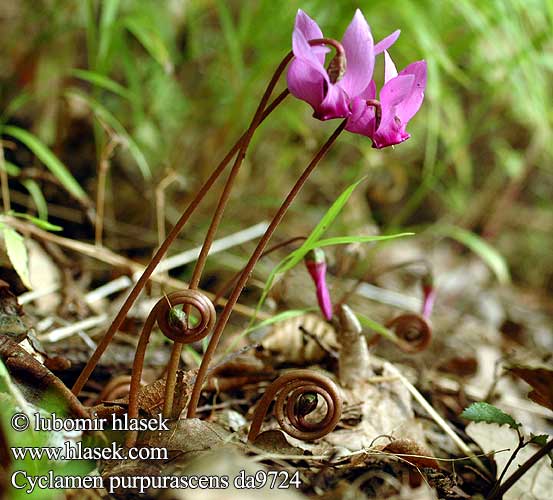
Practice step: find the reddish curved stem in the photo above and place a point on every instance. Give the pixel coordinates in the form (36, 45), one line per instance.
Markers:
(215, 221)
(138, 287)
(237, 290)
(289, 388)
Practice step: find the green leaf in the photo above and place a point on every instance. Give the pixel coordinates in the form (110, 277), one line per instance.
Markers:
(103, 82)
(297, 255)
(484, 250)
(10, 168)
(539, 439)
(17, 253)
(277, 318)
(38, 198)
(102, 113)
(43, 224)
(484, 412)
(367, 322)
(49, 159)
(345, 240)
(107, 28)
(150, 40)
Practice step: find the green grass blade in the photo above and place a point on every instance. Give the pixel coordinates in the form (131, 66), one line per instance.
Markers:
(42, 224)
(38, 198)
(277, 318)
(107, 26)
(150, 40)
(367, 322)
(103, 114)
(43, 153)
(103, 82)
(484, 250)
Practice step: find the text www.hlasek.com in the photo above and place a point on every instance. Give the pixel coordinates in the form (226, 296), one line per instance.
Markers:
(76, 451)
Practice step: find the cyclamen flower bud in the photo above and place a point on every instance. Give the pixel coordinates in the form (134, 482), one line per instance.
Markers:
(428, 295)
(316, 266)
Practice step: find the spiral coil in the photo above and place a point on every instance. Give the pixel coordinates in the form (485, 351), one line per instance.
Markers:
(413, 331)
(289, 389)
(182, 333)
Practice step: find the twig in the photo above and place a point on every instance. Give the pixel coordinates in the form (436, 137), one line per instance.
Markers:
(4, 180)
(437, 418)
(67, 331)
(105, 255)
(103, 168)
(523, 469)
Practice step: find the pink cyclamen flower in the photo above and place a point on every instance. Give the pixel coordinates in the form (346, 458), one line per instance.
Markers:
(309, 80)
(400, 99)
(428, 296)
(316, 266)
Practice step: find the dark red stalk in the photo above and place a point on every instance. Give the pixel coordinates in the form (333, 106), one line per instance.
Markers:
(138, 287)
(237, 290)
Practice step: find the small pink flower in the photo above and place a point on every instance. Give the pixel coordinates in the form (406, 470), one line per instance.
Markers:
(428, 296)
(316, 266)
(400, 99)
(308, 79)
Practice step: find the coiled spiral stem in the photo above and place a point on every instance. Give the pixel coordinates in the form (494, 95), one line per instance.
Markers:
(288, 389)
(182, 333)
(413, 331)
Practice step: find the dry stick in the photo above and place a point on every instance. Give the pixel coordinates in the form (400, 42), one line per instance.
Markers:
(237, 290)
(103, 168)
(437, 418)
(4, 181)
(133, 295)
(109, 257)
(523, 469)
(174, 360)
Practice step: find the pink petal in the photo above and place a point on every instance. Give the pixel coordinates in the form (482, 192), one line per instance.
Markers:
(310, 31)
(411, 104)
(389, 135)
(334, 105)
(306, 75)
(362, 119)
(302, 50)
(386, 43)
(395, 91)
(390, 70)
(359, 47)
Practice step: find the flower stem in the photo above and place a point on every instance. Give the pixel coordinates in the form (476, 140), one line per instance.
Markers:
(133, 295)
(237, 290)
(215, 221)
(523, 469)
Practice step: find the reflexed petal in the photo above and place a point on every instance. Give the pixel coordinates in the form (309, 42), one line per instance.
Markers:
(302, 50)
(362, 119)
(390, 70)
(310, 31)
(391, 135)
(411, 104)
(334, 105)
(386, 43)
(396, 90)
(306, 82)
(359, 47)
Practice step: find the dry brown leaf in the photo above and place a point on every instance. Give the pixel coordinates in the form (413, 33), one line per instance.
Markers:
(287, 340)
(541, 380)
(152, 396)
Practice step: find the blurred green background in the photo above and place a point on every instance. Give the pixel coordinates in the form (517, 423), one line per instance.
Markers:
(161, 90)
